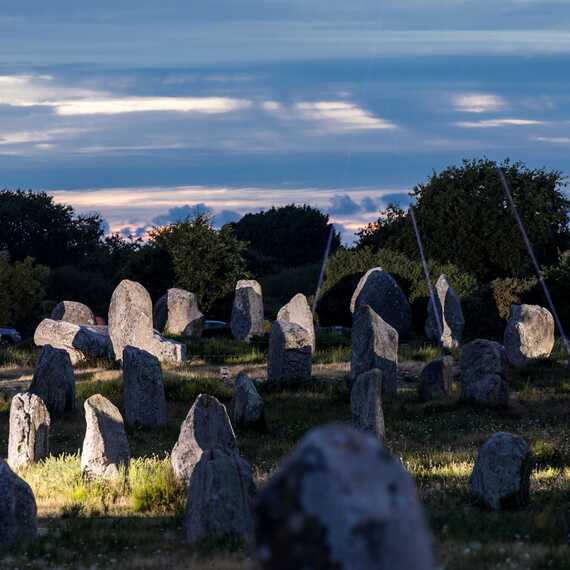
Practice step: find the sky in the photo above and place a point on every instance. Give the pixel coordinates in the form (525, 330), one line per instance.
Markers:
(149, 111)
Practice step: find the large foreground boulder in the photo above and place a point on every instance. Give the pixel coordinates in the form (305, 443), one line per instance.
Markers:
(290, 354)
(341, 500)
(143, 390)
(379, 290)
(206, 426)
(297, 311)
(484, 374)
(105, 451)
(131, 324)
(366, 403)
(177, 313)
(247, 310)
(436, 379)
(54, 380)
(501, 476)
(28, 440)
(18, 521)
(529, 334)
(449, 315)
(73, 312)
(79, 341)
(374, 345)
(220, 494)
(246, 409)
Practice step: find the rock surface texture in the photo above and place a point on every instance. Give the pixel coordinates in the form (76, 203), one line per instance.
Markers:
(379, 290)
(143, 390)
(529, 334)
(246, 409)
(73, 312)
(18, 522)
(54, 380)
(297, 311)
(436, 379)
(105, 449)
(28, 440)
(484, 373)
(206, 426)
(177, 313)
(247, 310)
(375, 345)
(449, 315)
(290, 354)
(366, 403)
(501, 476)
(341, 500)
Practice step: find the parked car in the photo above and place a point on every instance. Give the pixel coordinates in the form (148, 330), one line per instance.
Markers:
(9, 337)
(216, 328)
(211, 325)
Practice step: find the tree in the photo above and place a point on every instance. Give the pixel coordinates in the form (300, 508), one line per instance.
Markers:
(206, 261)
(465, 219)
(22, 288)
(288, 236)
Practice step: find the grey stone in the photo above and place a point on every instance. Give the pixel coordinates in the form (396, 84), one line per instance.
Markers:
(18, 522)
(143, 390)
(436, 379)
(131, 324)
(54, 380)
(484, 373)
(450, 314)
(246, 409)
(28, 440)
(297, 311)
(206, 426)
(290, 354)
(379, 290)
(247, 310)
(341, 500)
(105, 449)
(79, 341)
(220, 494)
(501, 476)
(177, 313)
(366, 403)
(529, 334)
(73, 312)
(375, 345)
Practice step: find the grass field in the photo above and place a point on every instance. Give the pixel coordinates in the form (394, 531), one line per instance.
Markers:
(136, 522)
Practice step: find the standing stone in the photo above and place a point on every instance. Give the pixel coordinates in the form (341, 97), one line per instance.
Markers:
(501, 476)
(529, 334)
(341, 500)
(290, 354)
(131, 324)
(375, 345)
(297, 310)
(177, 313)
(105, 447)
(143, 389)
(206, 426)
(379, 290)
(246, 409)
(28, 440)
(18, 522)
(54, 381)
(366, 403)
(220, 494)
(484, 373)
(247, 310)
(436, 379)
(79, 341)
(73, 312)
(450, 314)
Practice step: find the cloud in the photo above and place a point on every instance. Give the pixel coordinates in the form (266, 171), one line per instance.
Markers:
(180, 213)
(25, 137)
(342, 116)
(554, 140)
(478, 103)
(343, 205)
(369, 204)
(494, 123)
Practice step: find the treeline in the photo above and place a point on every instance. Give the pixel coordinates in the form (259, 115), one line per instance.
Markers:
(466, 224)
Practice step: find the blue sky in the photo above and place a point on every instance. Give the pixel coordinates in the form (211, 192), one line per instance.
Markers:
(145, 110)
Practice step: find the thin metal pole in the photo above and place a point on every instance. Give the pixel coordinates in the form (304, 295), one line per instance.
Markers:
(323, 267)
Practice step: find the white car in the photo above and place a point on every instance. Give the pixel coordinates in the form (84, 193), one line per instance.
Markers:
(9, 337)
